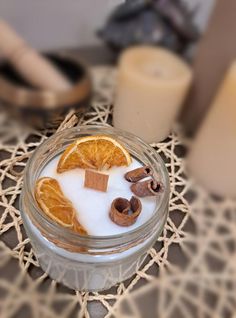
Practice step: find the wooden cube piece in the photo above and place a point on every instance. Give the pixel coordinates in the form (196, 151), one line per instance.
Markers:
(96, 180)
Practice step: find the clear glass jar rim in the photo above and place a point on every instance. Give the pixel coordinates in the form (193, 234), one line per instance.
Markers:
(76, 236)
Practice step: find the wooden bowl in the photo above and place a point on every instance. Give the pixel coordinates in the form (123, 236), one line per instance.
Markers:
(45, 108)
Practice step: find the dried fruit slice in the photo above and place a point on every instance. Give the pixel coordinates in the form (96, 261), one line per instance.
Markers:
(94, 152)
(52, 201)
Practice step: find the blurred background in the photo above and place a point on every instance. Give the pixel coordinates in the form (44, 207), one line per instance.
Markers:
(58, 24)
(164, 70)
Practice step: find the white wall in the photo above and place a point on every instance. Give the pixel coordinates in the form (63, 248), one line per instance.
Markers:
(203, 9)
(50, 24)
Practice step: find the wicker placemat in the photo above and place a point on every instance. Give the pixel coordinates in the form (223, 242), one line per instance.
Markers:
(190, 272)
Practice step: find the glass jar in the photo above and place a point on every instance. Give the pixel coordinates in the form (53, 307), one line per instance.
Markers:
(90, 263)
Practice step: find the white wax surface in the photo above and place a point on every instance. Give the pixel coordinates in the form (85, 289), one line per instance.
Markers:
(93, 206)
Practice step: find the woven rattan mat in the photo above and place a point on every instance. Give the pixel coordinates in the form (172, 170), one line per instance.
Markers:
(190, 272)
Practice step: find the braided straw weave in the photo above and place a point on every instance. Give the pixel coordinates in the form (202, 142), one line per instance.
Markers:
(190, 272)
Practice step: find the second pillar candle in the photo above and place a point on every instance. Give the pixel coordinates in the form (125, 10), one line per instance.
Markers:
(152, 84)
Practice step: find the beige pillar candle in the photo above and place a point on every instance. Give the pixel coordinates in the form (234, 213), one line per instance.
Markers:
(152, 84)
(213, 156)
(31, 66)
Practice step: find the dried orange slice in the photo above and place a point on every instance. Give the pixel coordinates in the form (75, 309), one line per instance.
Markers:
(52, 201)
(94, 152)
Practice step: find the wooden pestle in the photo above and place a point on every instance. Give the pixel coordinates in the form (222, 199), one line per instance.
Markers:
(32, 66)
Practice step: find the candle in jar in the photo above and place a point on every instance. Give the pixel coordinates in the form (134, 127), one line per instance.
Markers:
(213, 155)
(152, 84)
(109, 251)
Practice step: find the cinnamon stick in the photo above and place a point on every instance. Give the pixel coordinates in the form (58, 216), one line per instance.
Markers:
(138, 174)
(146, 188)
(124, 212)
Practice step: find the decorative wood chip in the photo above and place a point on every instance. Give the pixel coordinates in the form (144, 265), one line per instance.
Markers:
(96, 180)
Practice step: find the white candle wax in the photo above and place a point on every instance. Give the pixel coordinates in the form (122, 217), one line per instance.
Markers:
(152, 84)
(93, 206)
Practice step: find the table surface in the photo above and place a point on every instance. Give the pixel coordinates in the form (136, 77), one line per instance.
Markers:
(189, 272)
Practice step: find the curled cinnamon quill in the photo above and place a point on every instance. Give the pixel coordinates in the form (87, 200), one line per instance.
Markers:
(138, 174)
(124, 212)
(147, 188)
